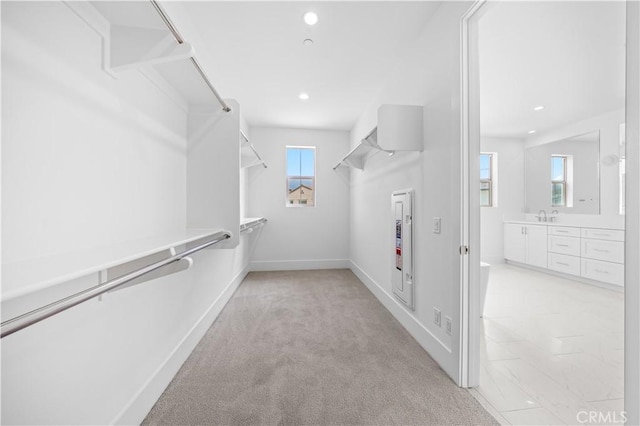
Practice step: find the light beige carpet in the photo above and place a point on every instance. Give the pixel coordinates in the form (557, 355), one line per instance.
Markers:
(311, 347)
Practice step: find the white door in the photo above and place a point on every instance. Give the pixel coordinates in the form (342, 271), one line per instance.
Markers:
(536, 245)
(514, 242)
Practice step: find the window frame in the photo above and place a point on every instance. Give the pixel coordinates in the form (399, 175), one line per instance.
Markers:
(491, 180)
(562, 182)
(290, 203)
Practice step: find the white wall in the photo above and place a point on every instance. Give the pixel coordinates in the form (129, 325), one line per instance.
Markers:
(300, 237)
(87, 161)
(429, 75)
(510, 172)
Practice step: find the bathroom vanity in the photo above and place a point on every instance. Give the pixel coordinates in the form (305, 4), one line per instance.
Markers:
(593, 254)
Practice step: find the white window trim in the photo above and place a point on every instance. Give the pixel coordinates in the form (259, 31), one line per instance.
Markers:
(494, 179)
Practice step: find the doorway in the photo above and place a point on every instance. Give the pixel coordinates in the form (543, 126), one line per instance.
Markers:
(493, 123)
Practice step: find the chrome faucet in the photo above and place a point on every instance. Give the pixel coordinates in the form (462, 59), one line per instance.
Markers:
(553, 218)
(543, 217)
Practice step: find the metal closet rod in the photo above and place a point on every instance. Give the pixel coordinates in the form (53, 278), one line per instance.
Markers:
(253, 224)
(252, 148)
(195, 63)
(25, 320)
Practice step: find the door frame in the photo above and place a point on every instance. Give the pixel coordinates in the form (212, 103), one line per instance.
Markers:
(469, 369)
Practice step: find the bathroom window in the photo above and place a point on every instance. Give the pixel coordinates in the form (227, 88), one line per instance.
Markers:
(301, 176)
(559, 180)
(488, 163)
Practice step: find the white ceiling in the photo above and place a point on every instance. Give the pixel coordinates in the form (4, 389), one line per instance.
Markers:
(263, 64)
(567, 56)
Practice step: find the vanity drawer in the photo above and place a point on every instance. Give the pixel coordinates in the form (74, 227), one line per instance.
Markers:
(610, 251)
(564, 245)
(564, 263)
(603, 234)
(565, 231)
(612, 273)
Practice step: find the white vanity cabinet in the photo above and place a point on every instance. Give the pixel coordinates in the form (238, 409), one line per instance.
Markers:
(564, 249)
(591, 253)
(602, 253)
(526, 244)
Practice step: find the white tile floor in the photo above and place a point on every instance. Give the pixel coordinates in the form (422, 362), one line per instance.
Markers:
(550, 349)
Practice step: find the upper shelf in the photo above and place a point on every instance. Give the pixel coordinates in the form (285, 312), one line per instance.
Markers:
(249, 157)
(140, 35)
(399, 129)
(248, 223)
(357, 156)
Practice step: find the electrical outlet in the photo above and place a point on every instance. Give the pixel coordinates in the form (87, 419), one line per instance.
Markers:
(437, 317)
(437, 225)
(447, 325)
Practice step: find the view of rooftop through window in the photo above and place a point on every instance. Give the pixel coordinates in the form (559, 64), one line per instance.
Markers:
(301, 163)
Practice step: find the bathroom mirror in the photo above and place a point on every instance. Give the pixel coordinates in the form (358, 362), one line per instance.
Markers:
(564, 175)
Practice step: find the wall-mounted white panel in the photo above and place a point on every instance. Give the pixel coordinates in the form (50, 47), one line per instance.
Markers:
(400, 128)
(402, 268)
(213, 171)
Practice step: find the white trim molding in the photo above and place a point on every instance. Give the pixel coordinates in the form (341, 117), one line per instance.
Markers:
(299, 265)
(142, 402)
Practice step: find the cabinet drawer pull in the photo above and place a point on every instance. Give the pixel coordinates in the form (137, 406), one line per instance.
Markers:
(599, 234)
(601, 271)
(562, 263)
(562, 231)
(562, 245)
(601, 250)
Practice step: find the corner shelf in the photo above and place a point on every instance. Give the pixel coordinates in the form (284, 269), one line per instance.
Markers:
(357, 157)
(399, 129)
(249, 157)
(247, 224)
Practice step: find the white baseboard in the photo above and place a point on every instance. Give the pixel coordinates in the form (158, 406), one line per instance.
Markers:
(146, 397)
(493, 260)
(299, 265)
(429, 342)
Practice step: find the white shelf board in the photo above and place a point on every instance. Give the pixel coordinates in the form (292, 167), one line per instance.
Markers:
(29, 276)
(180, 74)
(357, 156)
(249, 157)
(249, 222)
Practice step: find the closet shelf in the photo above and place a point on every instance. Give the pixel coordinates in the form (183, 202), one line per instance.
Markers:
(141, 36)
(247, 224)
(399, 129)
(358, 155)
(33, 275)
(249, 157)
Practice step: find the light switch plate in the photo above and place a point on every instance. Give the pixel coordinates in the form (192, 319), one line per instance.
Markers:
(437, 225)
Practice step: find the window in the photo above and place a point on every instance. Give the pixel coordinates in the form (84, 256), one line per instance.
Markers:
(301, 176)
(558, 181)
(487, 179)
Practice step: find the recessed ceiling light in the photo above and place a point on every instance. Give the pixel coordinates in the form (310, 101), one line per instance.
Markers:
(531, 132)
(539, 108)
(303, 96)
(310, 18)
(307, 42)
